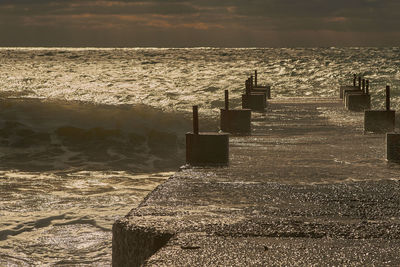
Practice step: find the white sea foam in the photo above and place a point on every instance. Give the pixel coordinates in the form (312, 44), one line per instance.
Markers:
(54, 135)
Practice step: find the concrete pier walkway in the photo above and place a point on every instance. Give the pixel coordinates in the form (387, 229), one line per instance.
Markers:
(308, 187)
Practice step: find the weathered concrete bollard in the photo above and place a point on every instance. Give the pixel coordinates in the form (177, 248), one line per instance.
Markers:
(393, 146)
(357, 100)
(380, 121)
(387, 97)
(195, 120)
(258, 90)
(253, 100)
(206, 148)
(261, 89)
(347, 92)
(347, 88)
(367, 88)
(235, 120)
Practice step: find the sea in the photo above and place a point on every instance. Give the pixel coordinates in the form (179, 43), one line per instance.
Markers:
(87, 133)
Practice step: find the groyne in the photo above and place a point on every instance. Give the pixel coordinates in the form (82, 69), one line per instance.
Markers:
(307, 187)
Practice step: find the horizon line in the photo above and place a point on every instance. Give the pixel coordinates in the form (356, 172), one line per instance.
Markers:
(186, 47)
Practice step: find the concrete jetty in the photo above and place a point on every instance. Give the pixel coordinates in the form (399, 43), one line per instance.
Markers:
(308, 187)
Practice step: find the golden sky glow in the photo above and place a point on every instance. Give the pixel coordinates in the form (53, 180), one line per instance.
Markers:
(165, 23)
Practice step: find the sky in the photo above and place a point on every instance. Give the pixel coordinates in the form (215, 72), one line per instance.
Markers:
(197, 23)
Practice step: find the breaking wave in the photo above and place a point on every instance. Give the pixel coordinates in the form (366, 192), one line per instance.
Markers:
(43, 135)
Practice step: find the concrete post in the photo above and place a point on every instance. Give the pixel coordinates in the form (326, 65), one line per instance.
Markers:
(237, 121)
(363, 85)
(195, 120)
(247, 87)
(387, 97)
(393, 146)
(226, 100)
(206, 148)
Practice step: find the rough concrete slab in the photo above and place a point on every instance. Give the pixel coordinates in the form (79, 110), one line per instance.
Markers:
(307, 188)
(197, 249)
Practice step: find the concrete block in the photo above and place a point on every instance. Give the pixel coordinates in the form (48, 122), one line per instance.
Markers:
(379, 121)
(358, 101)
(254, 101)
(131, 246)
(207, 148)
(393, 147)
(348, 92)
(343, 88)
(263, 89)
(236, 120)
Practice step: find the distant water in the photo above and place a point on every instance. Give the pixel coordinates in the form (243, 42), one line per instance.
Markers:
(86, 133)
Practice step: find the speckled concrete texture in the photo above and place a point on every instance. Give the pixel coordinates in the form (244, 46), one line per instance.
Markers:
(308, 187)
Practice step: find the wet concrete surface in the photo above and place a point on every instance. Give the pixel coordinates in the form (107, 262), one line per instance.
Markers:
(308, 187)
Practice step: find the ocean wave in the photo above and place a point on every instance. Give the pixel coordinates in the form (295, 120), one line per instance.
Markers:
(45, 135)
(109, 106)
(176, 79)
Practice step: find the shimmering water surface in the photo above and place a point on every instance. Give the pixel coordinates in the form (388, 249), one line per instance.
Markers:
(86, 133)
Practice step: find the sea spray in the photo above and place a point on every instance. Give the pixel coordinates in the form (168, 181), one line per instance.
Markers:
(51, 135)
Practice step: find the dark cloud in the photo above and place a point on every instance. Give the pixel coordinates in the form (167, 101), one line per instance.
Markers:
(210, 22)
(65, 7)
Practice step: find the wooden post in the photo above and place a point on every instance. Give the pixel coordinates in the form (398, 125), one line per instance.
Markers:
(367, 87)
(387, 97)
(359, 82)
(255, 78)
(247, 87)
(195, 120)
(354, 79)
(251, 82)
(226, 100)
(363, 85)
